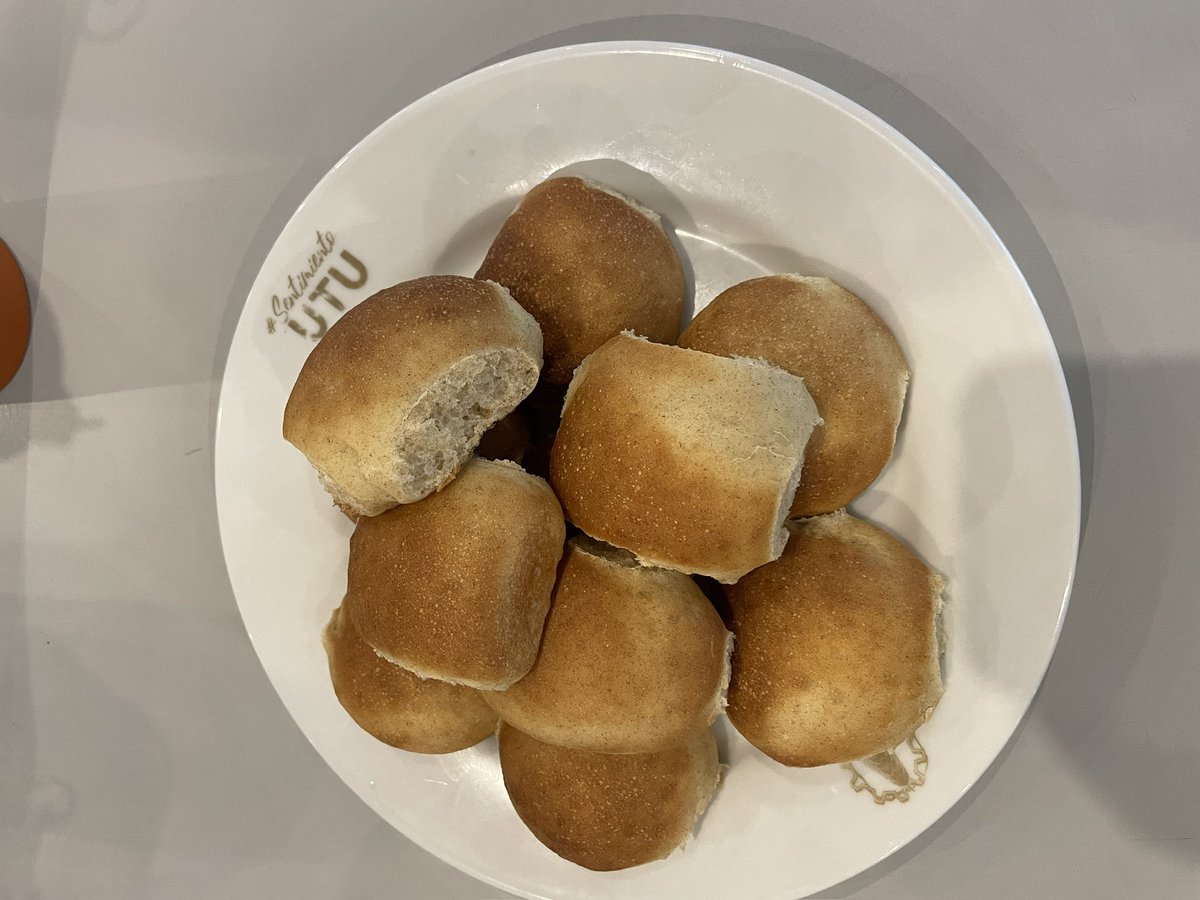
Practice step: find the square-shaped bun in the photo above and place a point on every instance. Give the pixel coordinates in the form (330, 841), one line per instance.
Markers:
(686, 459)
(457, 586)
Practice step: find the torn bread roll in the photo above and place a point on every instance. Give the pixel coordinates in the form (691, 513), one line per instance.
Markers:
(837, 650)
(588, 263)
(395, 706)
(607, 811)
(849, 360)
(686, 459)
(456, 587)
(632, 660)
(398, 392)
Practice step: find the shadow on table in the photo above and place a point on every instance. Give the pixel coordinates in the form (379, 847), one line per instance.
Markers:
(91, 770)
(34, 93)
(1119, 696)
(32, 88)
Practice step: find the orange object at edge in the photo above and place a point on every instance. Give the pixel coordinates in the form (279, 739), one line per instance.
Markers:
(14, 316)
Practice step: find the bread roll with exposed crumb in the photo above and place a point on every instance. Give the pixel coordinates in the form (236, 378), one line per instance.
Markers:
(456, 586)
(588, 263)
(686, 459)
(849, 360)
(608, 811)
(837, 650)
(391, 402)
(394, 705)
(632, 660)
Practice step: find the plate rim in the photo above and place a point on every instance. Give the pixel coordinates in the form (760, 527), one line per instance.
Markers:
(792, 79)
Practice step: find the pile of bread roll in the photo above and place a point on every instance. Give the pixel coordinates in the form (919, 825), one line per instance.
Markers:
(558, 605)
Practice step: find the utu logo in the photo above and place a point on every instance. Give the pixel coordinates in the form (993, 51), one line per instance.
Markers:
(312, 284)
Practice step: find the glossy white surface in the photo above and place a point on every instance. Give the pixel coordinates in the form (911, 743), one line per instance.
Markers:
(756, 170)
(144, 174)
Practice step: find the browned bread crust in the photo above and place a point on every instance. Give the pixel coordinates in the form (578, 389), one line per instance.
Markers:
(394, 705)
(687, 459)
(456, 586)
(588, 264)
(849, 361)
(836, 653)
(632, 659)
(609, 811)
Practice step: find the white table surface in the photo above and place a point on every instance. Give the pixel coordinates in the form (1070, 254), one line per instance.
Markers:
(150, 150)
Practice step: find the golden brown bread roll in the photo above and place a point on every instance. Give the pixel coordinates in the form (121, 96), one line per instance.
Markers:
(394, 705)
(849, 361)
(390, 403)
(686, 459)
(609, 811)
(632, 659)
(588, 264)
(456, 586)
(836, 652)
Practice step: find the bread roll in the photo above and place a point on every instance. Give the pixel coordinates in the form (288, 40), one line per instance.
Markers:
(633, 660)
(588, 264)
(456, 587)
(849, 361)
(394, 705)
(688, 460)
(391, 402)
(836, 653)
(608, 811)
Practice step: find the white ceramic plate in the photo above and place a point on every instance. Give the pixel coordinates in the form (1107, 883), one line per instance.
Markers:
(758, 170)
